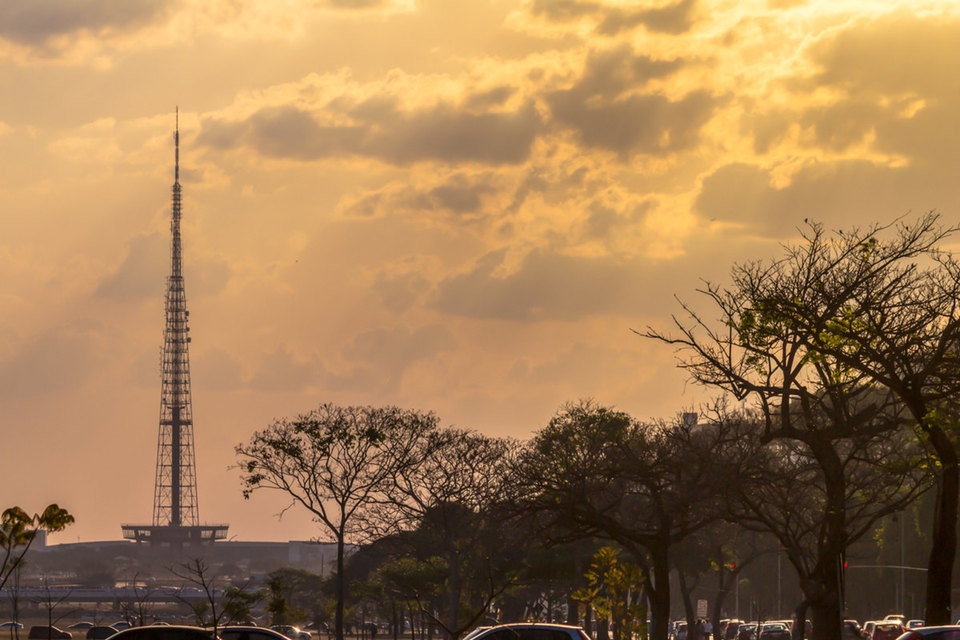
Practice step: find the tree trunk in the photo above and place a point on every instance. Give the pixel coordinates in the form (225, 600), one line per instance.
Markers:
(799, 621)
(693, 630)
(660, 595)
(453, 604)
(822, 590)
(944, 539)
(723, 589)
(822, 587)
(341, 589)
(603, 628)
(573, 611)
(393, 610)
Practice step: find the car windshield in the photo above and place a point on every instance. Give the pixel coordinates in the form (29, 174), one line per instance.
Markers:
(527, 633)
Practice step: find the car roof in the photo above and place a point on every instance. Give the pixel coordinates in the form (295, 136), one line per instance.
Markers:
(531, 625)
(167, 628)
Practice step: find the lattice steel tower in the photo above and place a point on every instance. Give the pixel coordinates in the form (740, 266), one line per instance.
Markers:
(175, 512)
(175, 492)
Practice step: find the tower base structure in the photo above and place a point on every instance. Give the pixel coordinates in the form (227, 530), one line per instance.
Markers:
(174, 536)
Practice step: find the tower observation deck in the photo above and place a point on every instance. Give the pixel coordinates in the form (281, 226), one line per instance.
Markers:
(176, 519)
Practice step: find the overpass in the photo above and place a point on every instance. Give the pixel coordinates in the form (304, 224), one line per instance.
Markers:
(114, 596)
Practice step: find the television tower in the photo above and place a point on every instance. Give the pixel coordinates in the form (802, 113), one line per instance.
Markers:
(176, 519)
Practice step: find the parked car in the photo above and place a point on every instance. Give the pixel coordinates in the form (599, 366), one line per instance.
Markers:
(43, 632)
(886, 630)
(533, 631)
(851, 630)
(11, 625)
(475, 633)
(913, 624)
(747, 631)
(101, 632)
(774, 631)
(292, 632)
(249, 632)
(165, 632)
(729, 632)
(120, 625)
(868, 627)
(945, 632)
(82, 625)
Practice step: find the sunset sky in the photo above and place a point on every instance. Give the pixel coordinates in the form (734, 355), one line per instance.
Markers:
(460, 206)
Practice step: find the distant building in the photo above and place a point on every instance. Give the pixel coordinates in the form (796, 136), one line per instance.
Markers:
(250, 558)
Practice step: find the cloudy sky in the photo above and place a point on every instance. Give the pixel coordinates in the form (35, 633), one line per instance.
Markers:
(461, 206)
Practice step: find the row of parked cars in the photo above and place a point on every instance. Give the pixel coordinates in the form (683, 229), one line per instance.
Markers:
(890, 628)
(518, 631)
(92, 631)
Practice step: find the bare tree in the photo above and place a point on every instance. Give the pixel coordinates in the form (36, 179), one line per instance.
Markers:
(13, 593)
(335, 462)
(783, 491)
(220, 603)
(902, 331)
(139, 608)
(50, 600)
(768, 347)
(450, 497)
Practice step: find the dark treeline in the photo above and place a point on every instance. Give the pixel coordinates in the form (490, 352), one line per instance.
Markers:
(831, 445)
(835, 368)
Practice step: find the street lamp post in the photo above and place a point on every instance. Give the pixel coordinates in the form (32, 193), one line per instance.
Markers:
(779, 557)
(902, 596)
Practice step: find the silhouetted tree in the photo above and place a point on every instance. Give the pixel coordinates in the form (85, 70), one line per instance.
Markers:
(18, 531)
(597, 472)
(450, 498)
(221, 604)
(13, 593)
(294, 595)
(139, 609)
(768, 347)
(901, 329)
(336, 462)
(52, 601)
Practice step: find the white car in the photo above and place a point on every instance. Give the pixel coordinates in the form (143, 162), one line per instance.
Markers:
(474, 633)
(292, 632)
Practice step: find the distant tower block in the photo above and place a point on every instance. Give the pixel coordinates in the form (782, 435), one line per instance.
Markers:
(176, 519)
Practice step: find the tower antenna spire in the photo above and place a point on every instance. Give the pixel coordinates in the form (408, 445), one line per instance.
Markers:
(176, 153)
